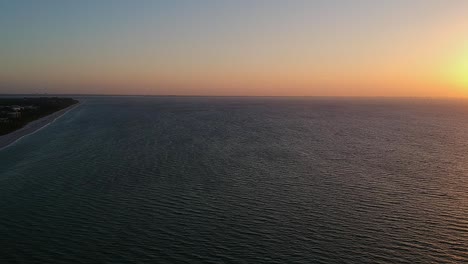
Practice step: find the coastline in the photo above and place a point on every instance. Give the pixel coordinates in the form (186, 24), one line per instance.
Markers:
(32, 127)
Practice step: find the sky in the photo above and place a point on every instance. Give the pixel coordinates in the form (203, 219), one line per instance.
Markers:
(235, 48)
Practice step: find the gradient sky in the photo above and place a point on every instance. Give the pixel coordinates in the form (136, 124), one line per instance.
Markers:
(238, 47)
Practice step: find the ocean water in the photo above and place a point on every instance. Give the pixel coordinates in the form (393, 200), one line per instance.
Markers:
(240, 180)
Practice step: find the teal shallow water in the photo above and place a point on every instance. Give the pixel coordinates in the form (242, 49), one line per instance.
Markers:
(240, 180)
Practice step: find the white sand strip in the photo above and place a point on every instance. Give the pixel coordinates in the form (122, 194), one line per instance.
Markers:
(32, 127)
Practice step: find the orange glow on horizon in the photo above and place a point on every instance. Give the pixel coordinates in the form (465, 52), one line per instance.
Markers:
(460, 72)
(395, 48)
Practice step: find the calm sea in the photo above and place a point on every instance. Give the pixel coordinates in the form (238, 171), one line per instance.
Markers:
(240, 180)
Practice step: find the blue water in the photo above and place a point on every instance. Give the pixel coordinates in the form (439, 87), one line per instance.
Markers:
(240, 180)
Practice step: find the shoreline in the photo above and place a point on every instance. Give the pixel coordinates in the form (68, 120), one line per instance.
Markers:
(32, 127)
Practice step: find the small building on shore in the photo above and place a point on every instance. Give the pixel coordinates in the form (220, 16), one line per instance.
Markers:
(14, 115)
(16, 108)
(30, 107)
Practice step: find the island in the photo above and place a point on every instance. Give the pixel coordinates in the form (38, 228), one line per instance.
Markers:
(22, 116)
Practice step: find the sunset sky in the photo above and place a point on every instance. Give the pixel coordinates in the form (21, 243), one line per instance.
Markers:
(238, 47)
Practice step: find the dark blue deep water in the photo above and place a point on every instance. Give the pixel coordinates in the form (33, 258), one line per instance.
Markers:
(240, 180)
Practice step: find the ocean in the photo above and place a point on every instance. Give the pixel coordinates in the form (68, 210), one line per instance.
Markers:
(240, 180)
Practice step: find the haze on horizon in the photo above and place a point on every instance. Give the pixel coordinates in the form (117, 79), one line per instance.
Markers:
(254, 47)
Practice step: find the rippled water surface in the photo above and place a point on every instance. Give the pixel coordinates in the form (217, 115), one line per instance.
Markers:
(240, 180)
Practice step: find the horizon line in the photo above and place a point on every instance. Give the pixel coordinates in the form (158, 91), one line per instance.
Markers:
(244, 96)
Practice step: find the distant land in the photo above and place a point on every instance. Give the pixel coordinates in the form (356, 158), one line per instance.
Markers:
(22, 116)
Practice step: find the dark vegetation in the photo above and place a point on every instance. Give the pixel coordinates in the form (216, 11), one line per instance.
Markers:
(15, 113)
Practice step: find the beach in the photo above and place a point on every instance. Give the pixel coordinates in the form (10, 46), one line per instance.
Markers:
(32, 127)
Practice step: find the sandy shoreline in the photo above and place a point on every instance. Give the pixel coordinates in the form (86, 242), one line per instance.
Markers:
(34, 126)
